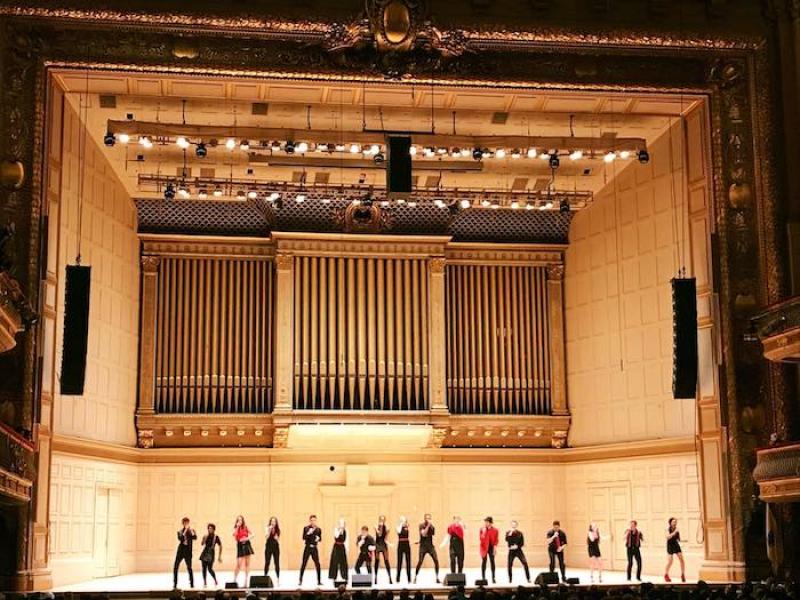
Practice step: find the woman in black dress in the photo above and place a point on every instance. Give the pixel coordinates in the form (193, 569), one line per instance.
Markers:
(381, 547)
(272, 549)
(209, 543)
(593, 545)
(338, 563)
(403, 549)
(673, 548)
(244, 549)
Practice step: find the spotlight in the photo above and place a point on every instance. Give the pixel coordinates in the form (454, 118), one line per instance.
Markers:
(379, 158)
(563, 206)
(465, 152)
(545, 155)
(355, 148)
(325, 200)
(183, 191)
(625, 154)
(201, 151)
(500, 153)
(244, 145)
(109, 139)
(441, 150)
(217, 191)
(252, 194)
(300, 198)
(169, 192)
(477, 154)
(643, 156)
(302, 147)
(230, 144)
(412, 203)
(486, 153)
(340, 147)
(610, 156)
(412, 150)
(554, 161)
(182, 142)
(124, 138)
(288, 147)
(439, 203)
(274, 196)
(428, 151)
(514, 204)
(576, 155)
(240, 195)
(278, 204)
(531, 152)
(374, 149)
(455, 152)
(529, 206)
(145, 141)
(275, 146)
(515, 153)
(323, 147)
(548, 205)
(465, 204)
(202, 193)
(384, 203)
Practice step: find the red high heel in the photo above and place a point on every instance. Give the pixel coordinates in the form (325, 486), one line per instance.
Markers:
(666, 577)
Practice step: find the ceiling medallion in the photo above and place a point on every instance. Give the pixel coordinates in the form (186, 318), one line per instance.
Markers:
(359, 217)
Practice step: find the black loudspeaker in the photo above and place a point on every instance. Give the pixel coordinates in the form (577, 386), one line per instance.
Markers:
(76, 330)
(573, 581)
(361, 580)
(398, 165)
(481, 582)
(684, 338)
(260, 581)
(455, 579)
(546, 578)
(231, 585)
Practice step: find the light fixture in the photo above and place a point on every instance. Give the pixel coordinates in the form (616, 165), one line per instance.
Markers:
(183, 190)
(252, 194)
(477, 153)
(169, 191)
(465, 152)
(485, 202)
(217, 191)
(201, 151)
(384, 203)
(455, 152)
(124, 138)
(275, 146)
(514, 204)
(374, 149)
(240, 195)
(643, 156)
(355, 148)
(288, 147)
(545, 155)
(379, 158)
(300, 198)
(548, 205)
(500, 153)
(325, 200)
(531, 152)
(412, 150)
(554, 161)
(278, 204)
(230, 144)
(515, 153)
(441, 150)
(563, 206)
(145, 141)
(529, 206)
(202, 193)
(465, 203)
(428, 151)
(182, 142)
(340, 147)
(486, 153)
(412, 203)
(610, 156)
(439, 203)
(244, 145)
(576, 155)
(109, 139)
(625, 154)
(302, 147)
(273, 196)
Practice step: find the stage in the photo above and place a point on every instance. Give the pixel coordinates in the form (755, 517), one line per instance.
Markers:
(159, 584)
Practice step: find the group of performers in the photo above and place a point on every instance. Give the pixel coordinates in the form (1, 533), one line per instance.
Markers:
(374, 546)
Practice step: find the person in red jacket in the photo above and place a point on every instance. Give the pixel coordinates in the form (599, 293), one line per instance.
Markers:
(489, 538)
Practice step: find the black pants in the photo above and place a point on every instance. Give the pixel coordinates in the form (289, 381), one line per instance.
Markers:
(364, 559)
(560, 556)
(512, 556)
(312, 553)
(457, 557)
(208, 568)
(634, 552)
(184, 554)
(427, 550)
(404, 552)
(272, 551)
(384, 552)
(490, 557)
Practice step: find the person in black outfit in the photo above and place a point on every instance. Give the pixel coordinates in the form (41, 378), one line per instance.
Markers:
(633, 543)
(312, 535)
(272, 549)
(516, 541)
(556, 542)
(403, 549)
(338, 562)
(186, 536)
(426, 547)
(674, 548)
(366, 547)
(381, 547)
(455, 535)
(209, 543)
(595, 557)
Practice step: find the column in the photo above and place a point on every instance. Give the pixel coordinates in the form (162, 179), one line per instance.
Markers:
(283, 380)
(436, 319)
(558, 379)
(147, 339)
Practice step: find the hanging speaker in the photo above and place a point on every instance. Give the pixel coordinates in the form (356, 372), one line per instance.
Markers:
(684, 338)
(398, 165)
(76, 330)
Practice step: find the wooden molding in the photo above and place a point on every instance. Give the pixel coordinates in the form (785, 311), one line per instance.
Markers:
(505, 254)
(200, 246)
(340, 244)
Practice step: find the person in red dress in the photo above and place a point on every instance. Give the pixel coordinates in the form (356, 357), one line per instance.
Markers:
(455, 535)
(489, 538)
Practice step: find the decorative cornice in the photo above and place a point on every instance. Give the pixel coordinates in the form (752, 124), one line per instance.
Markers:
(390, 246)
(191, 246)
(507, 254)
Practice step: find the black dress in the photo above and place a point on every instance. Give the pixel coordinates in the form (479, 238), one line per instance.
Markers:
(593, 546)
(243, 547)
(674, 543)
(338, 562)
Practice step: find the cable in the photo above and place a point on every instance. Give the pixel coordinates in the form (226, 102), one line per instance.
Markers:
(82, 108)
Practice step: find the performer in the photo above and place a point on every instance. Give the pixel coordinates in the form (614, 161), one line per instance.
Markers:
(489, 539)
(633, 542)
(403, 549)
(455, 535)
(272, 547)
(595, 559)
(184, 552)
(381, 547)
(312, 535)
(673, 548)
(516, 541)
(209, 542)
(244, 549)
(338, 562)
(366, 550)
(556, 542)
(426, 547)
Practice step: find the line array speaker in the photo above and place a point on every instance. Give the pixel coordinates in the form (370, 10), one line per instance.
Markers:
(398, 165)
(76, 330)
(684, 338)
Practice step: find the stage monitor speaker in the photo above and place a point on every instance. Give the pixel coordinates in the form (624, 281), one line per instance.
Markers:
(573, 581)
(231, 585)
(76, 330)
(546, 578)
(361, 580)
(455, 579)
(260, 581)
(398, 165)
(481, 582)
(684, 338)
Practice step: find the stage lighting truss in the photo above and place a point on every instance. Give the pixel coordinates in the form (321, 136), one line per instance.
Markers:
(453, 200)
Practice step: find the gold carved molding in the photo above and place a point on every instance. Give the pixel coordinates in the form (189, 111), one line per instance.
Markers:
(504, 254)
(390, 246)
(196, 246)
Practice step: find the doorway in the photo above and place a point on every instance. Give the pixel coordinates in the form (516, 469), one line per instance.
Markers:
(107, 531)
(610, 508)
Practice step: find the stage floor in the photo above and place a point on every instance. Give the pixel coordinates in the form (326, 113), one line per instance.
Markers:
(162, 582)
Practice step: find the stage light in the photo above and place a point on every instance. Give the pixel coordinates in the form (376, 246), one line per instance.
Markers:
(531, 152)
(563, 206)
(412, 203)
(300, 198)
(495, 204)
(240, 195)
(288, 147)
(384, 203)
(355, 148)
(548, 205)
(554, 161)
(367, 201)
(515, 153)
(374, 149)
(514, 204)
(486, 153)
(278, 204)
(340, 147)
(124, 138)
(325, 200)
(323, 147)
(183, 191)
(145, 141)
(610, 157)
(182, 142)
(500, 153)
(274, 196)
(439, 203)
(169, 192)
(244, 145)
(230, 143)
(485, 202)
(545, 155)
(529, 206)
(109, 139)
(252, 194)
(202, 193)
(217, 191)
(465, 152)
(201, 151)
(576, 155)
(477, 153)
(412, 150)
(643, 156)
(441, 150)
(379, 158)
(625, 154)
(455, 152)
(275, 146)
(302, 147)
(465, 204)
(428, 151)
(401, 201)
